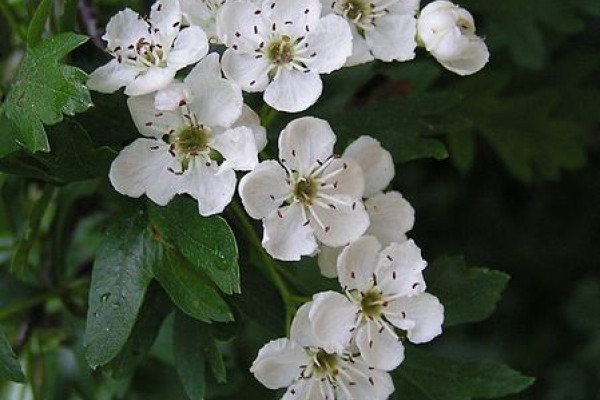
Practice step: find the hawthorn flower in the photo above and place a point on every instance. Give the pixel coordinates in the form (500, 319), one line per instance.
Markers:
(383, 289)
(202, 13)
(390, 215)
(381, 29)
(281, 47)
(309, 196)
(448, 32)
(311, 371)
(147, 52)
(193, 144)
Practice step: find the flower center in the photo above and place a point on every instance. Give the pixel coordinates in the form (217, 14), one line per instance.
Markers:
(465, 26)
(325, 363)
(356, 10)
(150, 54)
(371, 303)
(305, 190)
(281, 50)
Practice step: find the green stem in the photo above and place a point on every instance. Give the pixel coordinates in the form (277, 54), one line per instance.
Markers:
(12, 20)
(272, 272)
(36, 300)
(267, 114)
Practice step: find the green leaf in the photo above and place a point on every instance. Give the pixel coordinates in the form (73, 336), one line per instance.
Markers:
(188, 346)
(424, 376)
(73, 157)
(9, 365)
(154, 310)
(191, 290)
(8, 136)
(19, 265)
(36, 26)
(45, 89)
(468, 294)
(208, 244)
(402, 124)
(121, 275)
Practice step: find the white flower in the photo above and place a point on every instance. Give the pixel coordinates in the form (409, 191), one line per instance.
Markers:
(308, 196)
(390, 215)
(194, 141)
(147, 52)
(280, 47)
(384, 289)
(448, 32)
(311, 371)
(381, 29)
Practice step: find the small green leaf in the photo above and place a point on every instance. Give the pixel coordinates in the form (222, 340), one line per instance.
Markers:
(207, 243)
(9, 365)
(45, 89)
(36, 26)
(402, 124)
(188, 346)
(19, 265)
(8, 137)
(73, 157)
(121, 275)
(424, 376)
(155, 309)
(190, 289)
(468, 294)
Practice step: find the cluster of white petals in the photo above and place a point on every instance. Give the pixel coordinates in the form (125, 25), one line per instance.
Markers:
(312, 369)
(198, 135)
(307, 197)
(448, 32)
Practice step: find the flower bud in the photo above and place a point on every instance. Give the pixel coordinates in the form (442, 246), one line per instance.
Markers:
(447, 31)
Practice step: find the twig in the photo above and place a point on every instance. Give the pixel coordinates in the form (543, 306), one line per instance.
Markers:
(88, 15)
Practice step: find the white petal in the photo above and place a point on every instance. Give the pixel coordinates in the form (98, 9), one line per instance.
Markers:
(330, 43)
(393, 38)
(356, 264)
(143, 167)
(340, 226)
(474, 58)
(213, 187)
(305, 142)
(292, 17)
(237, 148)
(251, 120)
(286, 236)
(391, 217)
(279, 363)
(166, 16)
(421, 316)
(360, 50)
(249, 72)
(332, 318)
(111, 76)
(196, 12)
(371, 384)
(328, 260)
(151, 80)
(400, 269)
(171, 97)
(125, 28)
(344, 178)
(214, 100)
(376, 163)
(293, 91)
(301, 330)
(378, 347)
(305, 389)
(152, 122)
(190, 46)
(409, 7)
(264, 189)
(241, 24)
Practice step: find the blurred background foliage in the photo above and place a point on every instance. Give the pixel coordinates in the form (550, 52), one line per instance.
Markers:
(503, 167)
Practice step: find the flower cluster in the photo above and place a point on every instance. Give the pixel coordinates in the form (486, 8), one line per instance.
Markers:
(198, 135)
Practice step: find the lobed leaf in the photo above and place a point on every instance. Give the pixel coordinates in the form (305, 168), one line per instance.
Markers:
(45, 89)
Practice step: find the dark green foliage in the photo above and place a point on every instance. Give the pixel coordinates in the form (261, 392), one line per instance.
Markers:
(9, 365)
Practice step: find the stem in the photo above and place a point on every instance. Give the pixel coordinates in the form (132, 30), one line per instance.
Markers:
(12, 20)
(267, 114)
(34, 301)
(289, 299)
